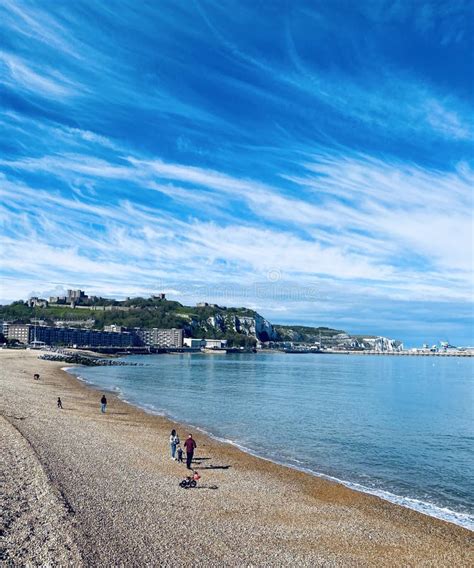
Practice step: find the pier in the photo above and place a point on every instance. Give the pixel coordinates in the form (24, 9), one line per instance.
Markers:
(405, 353)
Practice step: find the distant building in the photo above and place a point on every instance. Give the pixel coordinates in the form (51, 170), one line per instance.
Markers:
(215, 343)
(72, 297)
(156, 337)
(4, 327)
(193, 343)
(20, 332)
(160, 296)
(75, 295)
(114, 328)
(68, 336)
(35, 302)
(206, 305)
(57, 299)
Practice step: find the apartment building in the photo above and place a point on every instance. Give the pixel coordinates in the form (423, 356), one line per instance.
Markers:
(156, 337)
(21, 332)
(69, 336)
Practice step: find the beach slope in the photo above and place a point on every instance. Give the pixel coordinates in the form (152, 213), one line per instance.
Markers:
(85, 488)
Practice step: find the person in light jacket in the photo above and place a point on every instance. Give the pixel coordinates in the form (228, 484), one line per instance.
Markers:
(174, 443)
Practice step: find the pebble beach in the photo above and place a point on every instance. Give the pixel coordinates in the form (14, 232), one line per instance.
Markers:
(81, 488)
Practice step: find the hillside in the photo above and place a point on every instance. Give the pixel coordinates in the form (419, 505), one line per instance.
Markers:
(240, 326)
(304, 333)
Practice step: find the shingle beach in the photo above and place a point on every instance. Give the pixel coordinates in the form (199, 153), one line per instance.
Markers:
(81, 488)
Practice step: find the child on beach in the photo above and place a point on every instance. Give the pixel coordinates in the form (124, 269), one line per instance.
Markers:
(60, 404)
(179, 451)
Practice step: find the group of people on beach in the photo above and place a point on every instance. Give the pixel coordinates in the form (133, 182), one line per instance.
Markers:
(59, 403)
(175, 443)
(177, 451)
(103, 403)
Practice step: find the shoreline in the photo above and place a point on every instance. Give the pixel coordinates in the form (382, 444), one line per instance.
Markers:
(315, 521)
(180, 351)
(444, 514)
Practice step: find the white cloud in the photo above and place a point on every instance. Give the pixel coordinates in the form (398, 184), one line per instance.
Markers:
(361, 217)
(47, 82)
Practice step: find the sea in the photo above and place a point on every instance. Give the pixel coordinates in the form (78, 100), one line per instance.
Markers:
(401, 428)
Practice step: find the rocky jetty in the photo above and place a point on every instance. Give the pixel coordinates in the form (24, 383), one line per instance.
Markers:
(81, 359)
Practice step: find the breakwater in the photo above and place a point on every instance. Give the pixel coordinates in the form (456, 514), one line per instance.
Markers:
(406, 353)
(81, 359)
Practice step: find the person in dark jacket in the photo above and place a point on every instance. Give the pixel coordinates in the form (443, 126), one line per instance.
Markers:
(190, 446)
(60, 404)
(103, 403)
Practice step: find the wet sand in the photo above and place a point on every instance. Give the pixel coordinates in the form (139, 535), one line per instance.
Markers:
(85, 489)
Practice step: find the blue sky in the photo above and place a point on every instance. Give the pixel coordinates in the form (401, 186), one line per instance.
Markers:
(312, 160)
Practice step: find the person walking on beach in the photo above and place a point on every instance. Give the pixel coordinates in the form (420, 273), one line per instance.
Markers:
(179, 452)
(174, 443)
(60, 404)
(103, 403)
(190, 446)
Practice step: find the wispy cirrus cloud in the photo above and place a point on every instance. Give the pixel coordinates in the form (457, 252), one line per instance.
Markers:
(43, 80)
(339, 228)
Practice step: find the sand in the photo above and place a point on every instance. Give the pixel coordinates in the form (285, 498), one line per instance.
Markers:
(86, 489)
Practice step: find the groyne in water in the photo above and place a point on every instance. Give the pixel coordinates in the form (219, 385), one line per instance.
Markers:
(80, 359)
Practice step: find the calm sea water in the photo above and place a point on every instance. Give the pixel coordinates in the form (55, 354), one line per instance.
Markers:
(401, 428)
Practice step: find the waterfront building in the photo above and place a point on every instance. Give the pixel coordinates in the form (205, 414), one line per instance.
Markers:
(19, 331)
(4, 327)
(173, 337)
(156, 337)
(194, 343)
(215, 343)
(68, 336)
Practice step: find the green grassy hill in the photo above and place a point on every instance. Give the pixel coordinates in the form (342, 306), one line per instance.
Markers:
(153, 312)
(136, 312)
